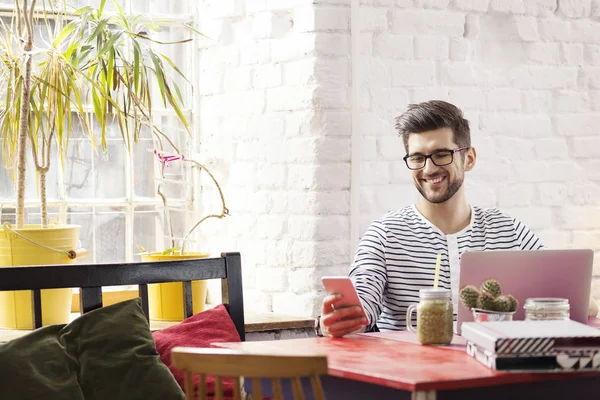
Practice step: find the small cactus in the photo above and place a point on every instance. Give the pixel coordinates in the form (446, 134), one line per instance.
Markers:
(469, 295)
(491, 287)
(486, 302)
(502, 304)
(513, 303)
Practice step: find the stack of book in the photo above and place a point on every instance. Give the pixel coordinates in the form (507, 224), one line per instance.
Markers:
(533, 345)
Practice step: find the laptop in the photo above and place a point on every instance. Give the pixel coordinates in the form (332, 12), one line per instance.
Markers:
(531, 273)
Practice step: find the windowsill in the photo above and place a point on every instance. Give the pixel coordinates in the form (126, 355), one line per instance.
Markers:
(254, 321)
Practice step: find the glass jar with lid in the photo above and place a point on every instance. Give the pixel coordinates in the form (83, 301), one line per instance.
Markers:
(546, 308)
(435, 316)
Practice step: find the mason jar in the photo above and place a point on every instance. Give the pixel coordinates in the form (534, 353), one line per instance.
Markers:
(546, 308)
(435, 316)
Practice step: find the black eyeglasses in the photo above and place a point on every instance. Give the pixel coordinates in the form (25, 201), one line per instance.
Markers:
(439, 158)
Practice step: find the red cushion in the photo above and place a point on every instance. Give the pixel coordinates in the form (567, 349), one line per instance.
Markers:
(199, 330)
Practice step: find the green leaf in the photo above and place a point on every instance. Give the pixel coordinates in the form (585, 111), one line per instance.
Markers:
(169, 251)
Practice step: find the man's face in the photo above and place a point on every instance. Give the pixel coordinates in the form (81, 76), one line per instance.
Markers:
(438, 184)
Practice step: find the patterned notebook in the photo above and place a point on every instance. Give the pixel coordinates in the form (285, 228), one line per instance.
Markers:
(531, 337)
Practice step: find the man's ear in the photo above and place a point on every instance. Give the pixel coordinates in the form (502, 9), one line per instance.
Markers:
(470, 159)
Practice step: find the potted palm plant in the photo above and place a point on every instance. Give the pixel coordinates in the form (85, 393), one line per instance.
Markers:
(92, 69)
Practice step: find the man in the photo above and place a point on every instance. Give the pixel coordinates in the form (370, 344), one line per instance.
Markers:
(397, 255)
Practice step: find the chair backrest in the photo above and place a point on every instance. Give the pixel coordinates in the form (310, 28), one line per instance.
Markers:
(224, 363)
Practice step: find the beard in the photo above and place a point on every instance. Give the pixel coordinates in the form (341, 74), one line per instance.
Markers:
(441, 197)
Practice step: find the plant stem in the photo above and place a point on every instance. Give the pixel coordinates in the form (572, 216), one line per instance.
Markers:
(24, 120)
(43, 206)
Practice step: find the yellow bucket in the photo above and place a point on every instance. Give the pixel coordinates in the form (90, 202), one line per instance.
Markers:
(165, 300)
(16, 309)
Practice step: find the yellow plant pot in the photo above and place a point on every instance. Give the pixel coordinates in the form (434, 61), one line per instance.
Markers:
(165, 300)
(16, 309)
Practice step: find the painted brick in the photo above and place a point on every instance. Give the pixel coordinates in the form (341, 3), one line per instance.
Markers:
(591, 54)
(578, 217)
(290, 98)
(373, 19)
(504, 100)
(322, 177)
(587, 239)
(540, 8)
(570, 101)
(545, 53)
(305, 280)
(584, 193)
(572, 54)
(515, 195)
(304, 44)
(460, 49)
(413, 74)
(537, 101)
(431, 48)
(321, 19)
(267, 75)
(375, 173)
(535, 218)
(304, 304)
(255, 52)
(393, 46)
(585, 147)
(390, 147)
(428, 22)
(332, 44)
(428, 93)
(589, 78)
(516, 148)
(553, 194)
(458, 74)
(319, 254)
(574, 8)
(399, 173)
(471, 5)
(324, 202)
(469, 98)
(300, 72)
(318, 227)
(442, 4)
(555, 239)
(508, 6)
(238, 78)
(277, 280)
(576, 124)
(554, 30)
(585, 31)
(544, 78)
(387, 197)
(551, 148)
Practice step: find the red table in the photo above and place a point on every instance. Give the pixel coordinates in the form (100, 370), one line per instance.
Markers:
(370, 367)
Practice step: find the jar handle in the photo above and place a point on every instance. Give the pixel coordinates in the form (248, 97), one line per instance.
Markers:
(409, 312)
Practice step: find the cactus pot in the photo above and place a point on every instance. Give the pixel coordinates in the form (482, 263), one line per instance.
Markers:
(480, 315)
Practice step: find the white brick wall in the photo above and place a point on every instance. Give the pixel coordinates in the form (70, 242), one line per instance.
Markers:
(527, 75)
(275, 123)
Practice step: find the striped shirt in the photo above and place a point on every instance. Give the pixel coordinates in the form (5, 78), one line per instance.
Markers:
(397, 255)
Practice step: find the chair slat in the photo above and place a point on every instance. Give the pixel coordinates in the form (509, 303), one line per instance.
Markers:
(218, 388)
(237, 391)
(256, 389)
(297, 389)
(277, 392)
(189, 385)
(202, 387)
(317, 388)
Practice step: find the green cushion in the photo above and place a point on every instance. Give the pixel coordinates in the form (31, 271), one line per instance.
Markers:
(107, 354)
(36, 366)
(117, 355)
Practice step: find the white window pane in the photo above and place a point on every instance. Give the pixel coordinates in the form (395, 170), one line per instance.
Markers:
(110, 234)
(84, 217)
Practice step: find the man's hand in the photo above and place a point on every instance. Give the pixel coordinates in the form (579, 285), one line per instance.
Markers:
(337, 322)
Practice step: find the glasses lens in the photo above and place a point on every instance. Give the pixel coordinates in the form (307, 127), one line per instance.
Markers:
(442, 158)
(415, 162)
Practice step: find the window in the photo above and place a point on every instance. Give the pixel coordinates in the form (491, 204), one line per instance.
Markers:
(112, 195)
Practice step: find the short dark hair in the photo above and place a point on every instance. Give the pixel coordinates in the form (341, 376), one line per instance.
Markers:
(432, 115)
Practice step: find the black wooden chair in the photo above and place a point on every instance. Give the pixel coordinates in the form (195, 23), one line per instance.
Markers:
(90, 278)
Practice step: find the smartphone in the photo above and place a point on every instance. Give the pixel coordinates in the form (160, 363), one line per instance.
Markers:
(344, 286)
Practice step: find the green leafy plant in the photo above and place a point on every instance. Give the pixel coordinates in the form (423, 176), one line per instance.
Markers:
(488, 297)
(96, 68)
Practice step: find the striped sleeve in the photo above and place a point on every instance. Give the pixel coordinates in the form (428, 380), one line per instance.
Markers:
(368, 272)
(527, 239)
